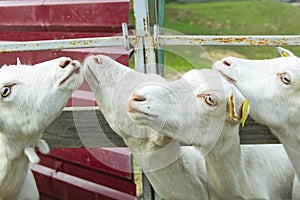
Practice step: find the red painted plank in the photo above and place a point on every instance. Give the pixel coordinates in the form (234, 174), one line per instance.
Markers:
(56, 15)
(38, 35)
(57, 185)
(103, 159)
(110, 167)
(95, 176)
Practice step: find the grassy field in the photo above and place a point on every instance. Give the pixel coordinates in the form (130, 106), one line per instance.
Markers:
(227, 18)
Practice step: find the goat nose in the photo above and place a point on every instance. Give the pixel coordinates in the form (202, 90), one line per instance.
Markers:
(138, 97)
(226, 62)
(65, 63)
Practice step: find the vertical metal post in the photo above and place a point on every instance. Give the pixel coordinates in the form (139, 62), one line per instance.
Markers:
(144, 38)
(148, 192)
(152, 12)
(150, 57)
(156, 17)
(140, 16)
(160, 22)
(145, 59)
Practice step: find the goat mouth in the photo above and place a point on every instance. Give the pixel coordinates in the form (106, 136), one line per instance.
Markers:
(76, 70)
(226, 76)
(136, 111)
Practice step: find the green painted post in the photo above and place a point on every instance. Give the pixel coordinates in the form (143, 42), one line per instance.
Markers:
(156, 16)
(160, 51)
(152, 12)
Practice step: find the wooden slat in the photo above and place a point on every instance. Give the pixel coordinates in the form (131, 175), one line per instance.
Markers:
(254, 133)
(64, 133)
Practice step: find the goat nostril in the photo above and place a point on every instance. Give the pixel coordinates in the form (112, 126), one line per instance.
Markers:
(227, 63)
(137, 97)
(65, 63)
(98, 60)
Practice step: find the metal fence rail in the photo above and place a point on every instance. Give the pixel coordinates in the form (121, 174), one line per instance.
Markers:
(162, 40)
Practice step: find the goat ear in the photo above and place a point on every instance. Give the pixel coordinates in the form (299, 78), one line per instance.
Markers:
(3, 66)
(285, 53)
(238, 106)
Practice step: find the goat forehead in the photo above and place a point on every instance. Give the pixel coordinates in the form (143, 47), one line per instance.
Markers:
(204, 78)
(19, 71)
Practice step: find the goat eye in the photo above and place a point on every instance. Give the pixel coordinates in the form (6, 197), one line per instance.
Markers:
(210, 100)
(5, 91)
(285, 78)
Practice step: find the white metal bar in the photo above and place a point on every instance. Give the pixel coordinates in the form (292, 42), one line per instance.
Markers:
(164, 40)
(63, 44)
(244, 40)
(125, 36)
(150, 58)
(139, 60)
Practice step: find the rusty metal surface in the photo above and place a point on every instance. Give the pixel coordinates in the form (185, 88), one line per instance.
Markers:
(61, 44)
(145, 56)
(164, 40)
(246, 40)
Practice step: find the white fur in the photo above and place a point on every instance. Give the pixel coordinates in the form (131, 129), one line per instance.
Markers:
(37, 96)
(31, 154)
(30, 151)
(274, 103)
(174, 172)
(234, 171)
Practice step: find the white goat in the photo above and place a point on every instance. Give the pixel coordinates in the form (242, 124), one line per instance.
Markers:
(41, 144)
(31, 154)
(31, 97)
(204, 110)
(272, 87)
(174, 172)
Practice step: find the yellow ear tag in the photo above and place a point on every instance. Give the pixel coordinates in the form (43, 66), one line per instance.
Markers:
(245, 108)
(285, 54)
(231, 108)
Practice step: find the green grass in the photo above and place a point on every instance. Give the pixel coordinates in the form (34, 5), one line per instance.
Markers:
(243, 17)
(229, 18)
